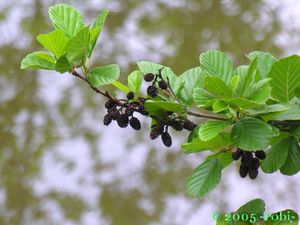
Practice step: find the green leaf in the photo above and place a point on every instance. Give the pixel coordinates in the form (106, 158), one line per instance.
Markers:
(197, 145)
(251, 134)
(246, 79)
(38, 60)
(285, 75)
(259, 91)
(62, 64)
(292, 163)
(292, 111)
(243, 103)
(234, 82)
(150, 67)
(54, 41)
(256, 206)
(219, 106)
(203, 98)
(204, 178)
(66, 18)
(191, 79)
(77, 47)
(135, 81)
(103, 75)
(120, 86)
(154, 107)
(265, 61)
(276, 156)
(217, 87)
(216, 63)
(96, 29)
(224, 157)
(211, 129)
(265, 109)
(286, 217)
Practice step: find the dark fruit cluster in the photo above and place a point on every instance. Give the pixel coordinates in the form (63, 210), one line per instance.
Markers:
(157, 80)
(161, 128)
(123, 115)
(250, 162)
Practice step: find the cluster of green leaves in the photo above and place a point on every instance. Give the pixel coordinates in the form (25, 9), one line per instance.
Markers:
(245, 101)
(253, 212)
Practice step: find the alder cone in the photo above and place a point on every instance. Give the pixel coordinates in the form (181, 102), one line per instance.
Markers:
(166, 139)
(107, 119)
(260, 154)
(135, 123)
(122, 120)
(149, 77)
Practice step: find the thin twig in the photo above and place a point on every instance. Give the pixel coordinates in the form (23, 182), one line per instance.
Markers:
(205, 116)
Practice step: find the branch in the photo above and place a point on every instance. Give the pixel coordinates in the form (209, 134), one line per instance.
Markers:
(285, 122)
(205, 116)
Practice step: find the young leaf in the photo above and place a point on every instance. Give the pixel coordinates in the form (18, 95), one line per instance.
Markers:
(211, 129)
(120, 86)
(285, 74)
(103, 75)
(135, 81)
(203, 98)
(234, 82)
(224, 157)
(276, 156)
(54, 41)
(96, 29)
(38, 60)
(204, 178)
(265, 61)
(217, 87)
(153, 106)
(197, 145)
(77, 47)
(191, 79)
(66, 18)
(292, 111)
(243, 103)
(246, 79)
(256, 207)
(251, 134)
(216, 63)
(62, 64)
(292, 163)
(219, 106)
(259, 92)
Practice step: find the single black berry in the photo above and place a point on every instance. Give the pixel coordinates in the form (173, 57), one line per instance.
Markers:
(237, 155)
(162, 84)
(130, 95)
(260, 154)
(243, 170)
(188, 125)
(253, 173)
(107, 119)
(114, 113)
(152, 91)
(129, 111)
(109, 104)
(176, 125)
(166, 139)
(122, 120)
(255, 164)
(149, 77)
(135, 123)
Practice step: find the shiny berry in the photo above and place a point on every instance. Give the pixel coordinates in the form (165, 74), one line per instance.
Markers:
(166, 139)
(130, 95)
(149, 77)
(152, 91)
(260, 154)
(162, 84)
(135, 123)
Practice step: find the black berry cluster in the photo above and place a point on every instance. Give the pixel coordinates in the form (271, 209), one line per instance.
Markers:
(250, 162)
(161, 128)
(124, 114)
(157, 80)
